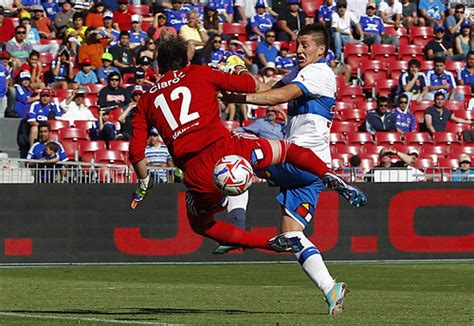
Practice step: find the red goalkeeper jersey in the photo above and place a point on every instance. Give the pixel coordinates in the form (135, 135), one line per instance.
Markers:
(183, 107)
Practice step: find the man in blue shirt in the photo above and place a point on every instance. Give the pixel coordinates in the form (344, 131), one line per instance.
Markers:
(177, 15)
(466, 75)
(404, 119)
(441, 80)
(465, 173)
(225, 10)
(285, 62)
(86, 75)
(261, 22)
(325, 12)
(267, 127)
(266, 51)
(432, 11)
(373, 28)
(41, 110)
(137, 36)
(4, 77)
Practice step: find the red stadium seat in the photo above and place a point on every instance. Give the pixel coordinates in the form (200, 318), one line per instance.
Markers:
(359, 138)
(340, 106)
(421, 35)
(396, 67)
(342, 157)
(63, 94)
(73, 134)
(353, 115)
(251, 45)
(382, 51)
(87, 157)
(406, 148)
(413, 138)
(143, 10)
(337, 164)
(372, 70)
(424, 163)
(105, 156)
(466, 149)
(454, 66)
(426, 65)
(351, 94)
(340, 81)
(467, 115)
(366, 105)
(434, 149)
(414, 106)
(373, 149)
(15, 21)
(419, 116)
(70, 147)
(88, 146)
(58, 124)
(354, 53)
(445, 138)
(246, 123)
(260, 112)
(452, 163)
(337, 138)
(348, 149)
(94, 88)
(236, 29)
(457, 128)
(433, 157)
(146, 25)
(465, 90)
(230, 125)
(385, 87)
(410, 51)
(83, 124)
(388, 138)
(310, 7)
(119, 145)
(400, 32)
(45, 41)
(367, 163)
(46, 57)
(90, 99)
(344, 126)
(455, 105)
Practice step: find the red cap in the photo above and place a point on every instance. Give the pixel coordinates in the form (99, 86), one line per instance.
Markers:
(285, 46)
(86, 62)
(5, 55)
(46, 91)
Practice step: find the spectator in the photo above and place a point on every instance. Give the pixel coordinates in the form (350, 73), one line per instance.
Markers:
(94, 18)
(41, 110)
(211, 21)
(236, 47)
(432, 11)
(104, 71)
(463, 41)
(138, 80)
(245, 9)
(440, 80)
(325, 12)
(76, 34)
(261, 22)
(108, 31)
(437, 116)
(380, 119)
(18, 47)
(266, 51)
(149, 51)
(194, 5)
(177, 15)
(125, 117)
(267, 127)
(51, 153)
(51, 8)
(413, 82)
(410, 15)
(439, 46)
(36, 151)
(33, 37)
(150, 74)
(159, 23)
(113, 95)
(194, 33)
(157, 157)
(385, 159)
(75, 108)
(454, 22)
(285, 62)
(409, 160)
(269, 74)
(337, 67)
(373, 29)
(83, 5)
(341, 27)
(86, 75)
(93, 48)
(354, 170)
(466, 74)
(123, 55)
(212, 53)
(107, 130)
(64, 18)
(122, 17)
(24, 95)
(62, 70)
(7, 31)
(34, 67)
(43, 24)
(4, 80)
(291, 21)
(464, 173)
(404, 119)
(225, 10)
(391, 13)
(137, 36)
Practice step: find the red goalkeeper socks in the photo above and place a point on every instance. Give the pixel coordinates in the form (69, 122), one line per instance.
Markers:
(226, 233)
(305, 159)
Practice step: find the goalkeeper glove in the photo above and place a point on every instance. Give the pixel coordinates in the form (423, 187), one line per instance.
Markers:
(233, 69)
(143, 186)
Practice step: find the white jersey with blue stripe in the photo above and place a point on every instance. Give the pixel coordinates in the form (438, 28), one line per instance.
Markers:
(312, 113)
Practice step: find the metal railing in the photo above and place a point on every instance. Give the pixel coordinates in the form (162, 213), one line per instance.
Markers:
(34, 171)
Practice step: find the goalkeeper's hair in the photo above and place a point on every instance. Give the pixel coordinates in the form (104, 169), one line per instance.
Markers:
(319, 33)
(172, 55)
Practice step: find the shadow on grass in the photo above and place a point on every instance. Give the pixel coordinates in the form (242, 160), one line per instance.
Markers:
(156, 311)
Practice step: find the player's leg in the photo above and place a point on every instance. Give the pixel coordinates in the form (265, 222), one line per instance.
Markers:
(237, 210)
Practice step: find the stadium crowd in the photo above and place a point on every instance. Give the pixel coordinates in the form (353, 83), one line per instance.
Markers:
(405, 72)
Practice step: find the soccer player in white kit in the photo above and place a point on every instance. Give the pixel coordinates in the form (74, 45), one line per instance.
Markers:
(310, 91)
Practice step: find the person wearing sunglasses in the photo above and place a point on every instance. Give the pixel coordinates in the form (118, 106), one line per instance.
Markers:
(380, 119)
(454, 22)
(19, 47)
(342, 21)
(404, 119)
(113, 95)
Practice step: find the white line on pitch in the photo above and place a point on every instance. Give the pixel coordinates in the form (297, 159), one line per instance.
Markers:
(98, 320)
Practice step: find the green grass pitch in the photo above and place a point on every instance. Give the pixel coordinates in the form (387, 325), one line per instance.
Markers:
(235, 294)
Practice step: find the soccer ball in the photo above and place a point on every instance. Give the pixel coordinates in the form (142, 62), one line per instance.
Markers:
(233, 175)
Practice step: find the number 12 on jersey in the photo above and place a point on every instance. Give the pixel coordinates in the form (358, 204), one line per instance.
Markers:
(184, 117)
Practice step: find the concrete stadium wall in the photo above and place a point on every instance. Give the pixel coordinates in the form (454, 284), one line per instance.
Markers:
(93, 223)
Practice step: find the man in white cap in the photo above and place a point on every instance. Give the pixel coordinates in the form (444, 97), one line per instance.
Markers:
(465, 172)
(137, 36)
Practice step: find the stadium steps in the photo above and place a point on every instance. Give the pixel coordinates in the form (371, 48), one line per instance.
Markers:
(8, 131)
